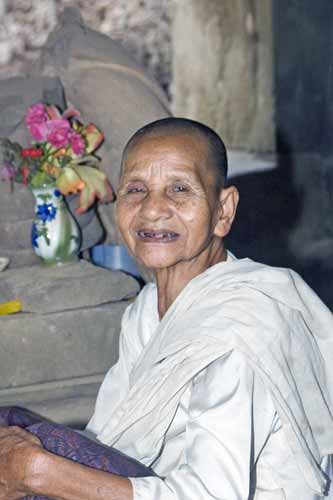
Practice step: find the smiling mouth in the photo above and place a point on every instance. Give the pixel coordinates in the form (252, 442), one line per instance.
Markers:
(160, 236)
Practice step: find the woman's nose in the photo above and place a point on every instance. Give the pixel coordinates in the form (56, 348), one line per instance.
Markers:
(155, 205)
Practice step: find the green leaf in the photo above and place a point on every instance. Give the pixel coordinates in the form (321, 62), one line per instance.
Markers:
(39, 179)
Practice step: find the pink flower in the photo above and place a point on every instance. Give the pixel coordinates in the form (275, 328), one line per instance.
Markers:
(36, 113)
(38, 131)
(77, 142)
(58, 132)
(36, 121)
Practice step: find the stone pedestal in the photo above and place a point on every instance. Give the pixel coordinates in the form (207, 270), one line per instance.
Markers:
(223, 69)
(54, 354)
(54, 363)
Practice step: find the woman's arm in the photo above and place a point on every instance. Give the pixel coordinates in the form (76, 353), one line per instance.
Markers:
(27, 469)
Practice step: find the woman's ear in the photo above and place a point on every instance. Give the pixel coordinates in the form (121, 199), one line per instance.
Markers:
(228, 201)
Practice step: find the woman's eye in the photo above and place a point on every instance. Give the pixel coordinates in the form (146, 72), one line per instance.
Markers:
(180, 188)
(135, 189)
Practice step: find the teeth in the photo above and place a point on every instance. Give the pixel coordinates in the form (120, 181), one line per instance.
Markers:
(158, 235)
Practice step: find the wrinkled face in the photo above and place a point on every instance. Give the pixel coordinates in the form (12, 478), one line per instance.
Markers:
(167, 206)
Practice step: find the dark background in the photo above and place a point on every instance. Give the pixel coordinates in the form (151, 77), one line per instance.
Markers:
(285, 216)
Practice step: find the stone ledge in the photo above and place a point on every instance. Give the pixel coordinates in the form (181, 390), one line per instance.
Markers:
(58, 288)
(245, 162)
(68, 401)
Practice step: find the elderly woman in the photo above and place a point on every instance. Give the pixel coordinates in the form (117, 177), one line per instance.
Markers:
(223, 378)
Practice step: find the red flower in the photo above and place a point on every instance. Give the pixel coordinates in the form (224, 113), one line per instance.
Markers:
(32, 152)
(25, 174)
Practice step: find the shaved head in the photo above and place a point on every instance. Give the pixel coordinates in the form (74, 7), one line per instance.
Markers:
(216, 151)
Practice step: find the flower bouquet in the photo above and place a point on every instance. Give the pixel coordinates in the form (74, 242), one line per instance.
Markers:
(60, 161)
(62, 155)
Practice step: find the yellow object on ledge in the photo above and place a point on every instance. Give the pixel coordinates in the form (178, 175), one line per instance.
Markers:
(11, 307)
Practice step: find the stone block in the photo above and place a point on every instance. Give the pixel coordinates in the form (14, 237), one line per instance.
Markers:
(53, 347)
(48, 289)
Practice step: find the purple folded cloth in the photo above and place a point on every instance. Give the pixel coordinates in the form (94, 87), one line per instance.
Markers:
(68, 443)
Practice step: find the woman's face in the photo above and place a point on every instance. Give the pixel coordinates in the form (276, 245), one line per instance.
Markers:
(167, 207)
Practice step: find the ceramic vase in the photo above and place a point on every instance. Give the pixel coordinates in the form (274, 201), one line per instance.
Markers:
(55, 235)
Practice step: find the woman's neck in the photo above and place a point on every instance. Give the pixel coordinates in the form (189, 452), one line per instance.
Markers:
(171, 281)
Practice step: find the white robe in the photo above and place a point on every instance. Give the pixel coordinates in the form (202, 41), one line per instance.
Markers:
(227, 397)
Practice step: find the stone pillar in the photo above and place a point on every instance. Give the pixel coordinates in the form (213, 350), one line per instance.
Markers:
(223, 69)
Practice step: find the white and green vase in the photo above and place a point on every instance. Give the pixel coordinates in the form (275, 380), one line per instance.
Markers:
(55, 234)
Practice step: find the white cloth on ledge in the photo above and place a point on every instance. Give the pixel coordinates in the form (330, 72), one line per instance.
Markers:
(226, 397)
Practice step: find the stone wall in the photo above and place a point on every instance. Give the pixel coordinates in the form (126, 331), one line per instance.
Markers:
(143, 26)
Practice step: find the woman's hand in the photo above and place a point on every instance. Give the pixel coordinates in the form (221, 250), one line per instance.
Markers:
(26, 468)
(20, 453)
